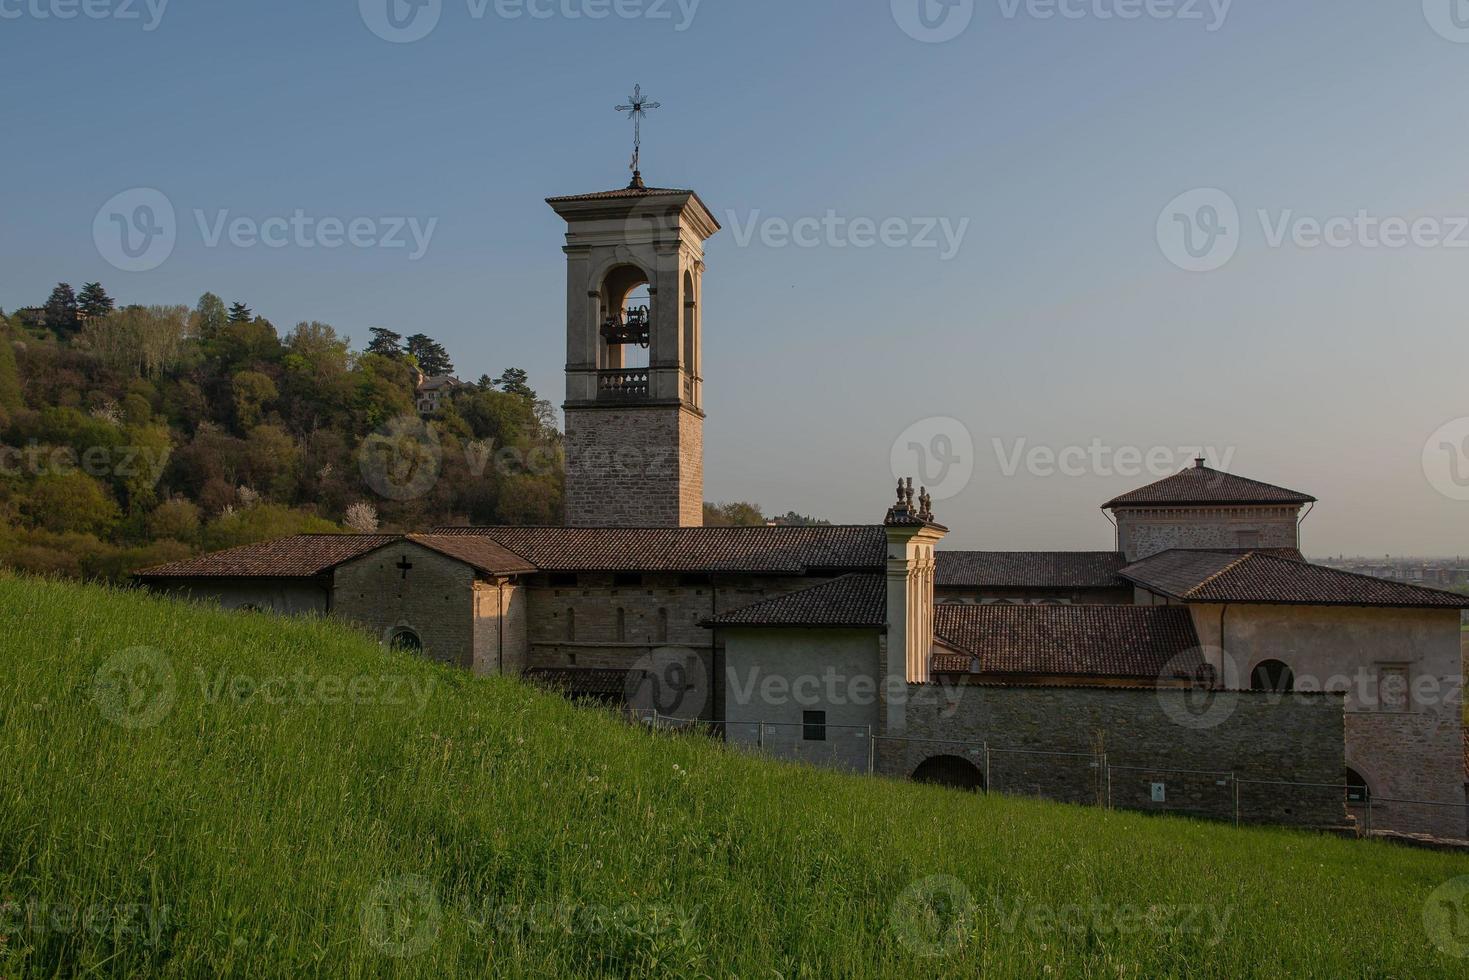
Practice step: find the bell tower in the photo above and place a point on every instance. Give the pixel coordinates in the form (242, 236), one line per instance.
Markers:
(634, 385)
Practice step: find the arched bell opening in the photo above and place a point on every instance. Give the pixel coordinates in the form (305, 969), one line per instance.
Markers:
(626, 320)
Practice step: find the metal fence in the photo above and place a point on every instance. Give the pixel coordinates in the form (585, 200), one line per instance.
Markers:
(1082, 778)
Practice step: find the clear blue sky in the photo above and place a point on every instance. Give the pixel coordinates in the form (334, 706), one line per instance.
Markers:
(1059, 321)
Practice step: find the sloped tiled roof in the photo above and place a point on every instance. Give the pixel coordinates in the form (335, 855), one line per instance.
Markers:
(309, 555)
(1204, 485)
(1261, 577)
(485, 554)
(616, 193)
(754, 550)
(1030, 569)
(302, 556)
(587, 682)
(858, 600)
(1138, 642)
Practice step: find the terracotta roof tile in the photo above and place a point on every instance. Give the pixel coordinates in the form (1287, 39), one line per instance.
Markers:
(1262, 577)
(1204, 485)
(1030, 569)
(753, 550)
(855, 601)
(586, 682)
(485, 554)
(1139, 642)
(302, 556)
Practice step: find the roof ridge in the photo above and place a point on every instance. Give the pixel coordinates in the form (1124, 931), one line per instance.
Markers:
(1239, 560)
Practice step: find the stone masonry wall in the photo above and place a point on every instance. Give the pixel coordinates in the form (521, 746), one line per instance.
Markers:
(434, 600)
(576, 625)
(1146, 532)
(1299, 738)
(634, 467)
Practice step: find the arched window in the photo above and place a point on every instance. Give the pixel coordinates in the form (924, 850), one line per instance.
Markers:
(407, 641)
(1272, 675)
(950, 771)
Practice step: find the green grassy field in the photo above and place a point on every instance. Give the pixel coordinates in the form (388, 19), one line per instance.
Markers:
(191, 793)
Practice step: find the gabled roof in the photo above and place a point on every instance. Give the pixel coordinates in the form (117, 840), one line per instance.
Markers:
(1135, 642)
(310, 555)
(1203, 485)
(1030, 569)
(301, 556)
(695, 550)
(1265, 578)
(484, 554)
(852, 601)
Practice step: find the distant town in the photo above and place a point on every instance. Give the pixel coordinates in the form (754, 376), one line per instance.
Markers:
(1444, 573)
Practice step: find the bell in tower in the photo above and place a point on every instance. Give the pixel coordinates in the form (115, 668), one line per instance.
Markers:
(634, 434)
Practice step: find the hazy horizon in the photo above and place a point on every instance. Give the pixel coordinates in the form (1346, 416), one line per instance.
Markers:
(1044, 260)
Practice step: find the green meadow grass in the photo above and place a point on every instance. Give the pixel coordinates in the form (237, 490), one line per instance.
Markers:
(495, 830)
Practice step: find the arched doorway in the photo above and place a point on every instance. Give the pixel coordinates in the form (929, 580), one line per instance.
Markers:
(1358, 792)
(1272, 675)
(950, 771)
(406, 641)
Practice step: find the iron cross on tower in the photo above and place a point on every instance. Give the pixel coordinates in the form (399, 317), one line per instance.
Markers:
(636, 109)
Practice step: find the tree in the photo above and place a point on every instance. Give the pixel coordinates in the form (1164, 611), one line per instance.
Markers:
(94, 302)
(385, 343)
(145, 340)
(10, 393)
(61, 311)
(252, 392)
(240, 313)
(514, 382)
(70, 502)
(210, 316)
(361, 517)
(733, 515)
(433, 359)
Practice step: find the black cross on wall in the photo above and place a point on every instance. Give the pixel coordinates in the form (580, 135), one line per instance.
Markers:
(405, 565)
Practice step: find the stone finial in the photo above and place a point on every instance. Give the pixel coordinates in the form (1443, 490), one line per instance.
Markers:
(901, 495)
(908, 493)
(925, 505)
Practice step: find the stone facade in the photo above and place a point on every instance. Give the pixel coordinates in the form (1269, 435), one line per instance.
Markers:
(1406, 745)
(1146, 531)
(620, 621)
(458, 616)
(1298, 738)
(634, 466)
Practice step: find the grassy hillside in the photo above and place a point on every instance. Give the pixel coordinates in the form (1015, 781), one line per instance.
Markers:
(211, 826)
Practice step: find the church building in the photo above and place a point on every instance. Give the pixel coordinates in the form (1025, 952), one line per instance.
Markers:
(872, 648)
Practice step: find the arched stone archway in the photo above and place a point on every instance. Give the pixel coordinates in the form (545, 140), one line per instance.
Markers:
(951, 771)
(1272, 675)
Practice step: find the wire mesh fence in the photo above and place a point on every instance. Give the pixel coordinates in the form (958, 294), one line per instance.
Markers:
(1113, 781)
